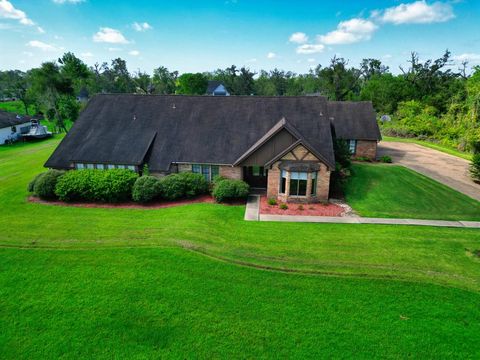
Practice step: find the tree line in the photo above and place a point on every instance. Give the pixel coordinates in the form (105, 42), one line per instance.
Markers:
(427, 99)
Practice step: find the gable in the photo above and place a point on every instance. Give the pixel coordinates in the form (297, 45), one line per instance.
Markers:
(271, 148)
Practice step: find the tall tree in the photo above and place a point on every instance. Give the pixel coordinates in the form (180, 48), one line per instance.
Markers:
(338, 81)
(192, 84)
(164, 81)
(143, 82)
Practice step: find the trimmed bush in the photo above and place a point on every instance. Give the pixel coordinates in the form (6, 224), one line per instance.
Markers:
(386, 159)
(113, 185)
(177, 186)
(230, 189)
(272, 201)
(283, 206)
(475, 168)
(146, 189)
(44, 184)
(31, 184)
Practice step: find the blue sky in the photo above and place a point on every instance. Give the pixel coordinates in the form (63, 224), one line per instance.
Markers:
(205, 35)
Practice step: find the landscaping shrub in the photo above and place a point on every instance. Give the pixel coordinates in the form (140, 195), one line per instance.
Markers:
(177, 186)
(113, 185)
(283, 206)
(363, 159)
(272, 201)
(146, 189)
(386, 159)
(44, 184)
(475, 168)
(230, 189)
(300, 207)
(31, 184)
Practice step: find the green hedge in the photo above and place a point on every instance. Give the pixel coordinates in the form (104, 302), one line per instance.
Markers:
(146, 189)
(43, 185)
(113, 185)
(230, 190)
(183, 185)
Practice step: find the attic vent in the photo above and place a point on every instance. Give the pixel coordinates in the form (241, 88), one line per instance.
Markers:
(321, 113)
(134, 117)
(332, 118)
(174, 106)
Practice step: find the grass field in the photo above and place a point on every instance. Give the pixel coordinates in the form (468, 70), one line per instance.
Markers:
(199, 282)
(394, 191)
(435, 146)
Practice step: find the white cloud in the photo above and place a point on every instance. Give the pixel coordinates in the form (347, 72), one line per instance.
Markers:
(42, 46)
(40, 30)
(271, 55)
(141, 27)
(109, 35)
(418, 12)
(311, 60)
(349, 32)
(310, 48)
(252, 60)
(298, 37)
(28, 53)
(8, 11)
(134, 52)
(68, 1)
(113, 49)
(470, 57)
(87, 54)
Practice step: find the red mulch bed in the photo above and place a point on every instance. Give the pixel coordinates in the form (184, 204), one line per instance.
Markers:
(293, 209)
(132, 205)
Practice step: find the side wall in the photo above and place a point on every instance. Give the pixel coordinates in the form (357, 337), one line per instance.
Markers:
(366, 148)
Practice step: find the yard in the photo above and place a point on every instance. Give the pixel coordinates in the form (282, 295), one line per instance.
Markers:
(198, 281)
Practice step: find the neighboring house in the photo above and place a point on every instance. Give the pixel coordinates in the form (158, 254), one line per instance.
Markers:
(281, 144)
(12, 126)
(216, 88)
(83, 95)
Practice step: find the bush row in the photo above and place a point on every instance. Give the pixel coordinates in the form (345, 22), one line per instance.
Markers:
(118, 185)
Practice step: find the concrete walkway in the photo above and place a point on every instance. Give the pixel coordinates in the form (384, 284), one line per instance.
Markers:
(252, 213)
(448, 169)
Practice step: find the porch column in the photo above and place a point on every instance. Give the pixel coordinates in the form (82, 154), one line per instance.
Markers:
(287, 184)
(309, 185)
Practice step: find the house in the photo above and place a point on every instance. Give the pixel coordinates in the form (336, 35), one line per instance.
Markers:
(281, 144)
(216, 88)
(12, 126)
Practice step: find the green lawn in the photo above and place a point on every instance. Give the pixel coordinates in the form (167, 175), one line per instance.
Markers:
(199, 282)
(435, 146)
(396, 192)
(16, 107)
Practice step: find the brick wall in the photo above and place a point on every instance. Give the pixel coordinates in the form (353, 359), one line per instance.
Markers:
(366, 148)
(231, 172)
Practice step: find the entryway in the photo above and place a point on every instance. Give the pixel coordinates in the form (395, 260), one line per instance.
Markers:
(255, 176)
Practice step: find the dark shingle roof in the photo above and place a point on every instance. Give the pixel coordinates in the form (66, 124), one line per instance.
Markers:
(354, 120)
(193, 129)
(8, 119)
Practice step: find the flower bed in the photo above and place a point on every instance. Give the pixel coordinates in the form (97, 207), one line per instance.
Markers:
(296, 209)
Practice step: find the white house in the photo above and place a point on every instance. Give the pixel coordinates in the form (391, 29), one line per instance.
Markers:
(12, 126)
(216, 88)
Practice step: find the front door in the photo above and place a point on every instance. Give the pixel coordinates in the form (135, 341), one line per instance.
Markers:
(255, 176)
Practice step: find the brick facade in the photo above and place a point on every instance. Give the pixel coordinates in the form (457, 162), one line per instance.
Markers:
(366, 148)
(231, 172)
(323, 180)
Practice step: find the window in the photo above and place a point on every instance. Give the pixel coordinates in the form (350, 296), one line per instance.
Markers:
(283, 182)
(208, 171)
(298, 184)
(215, 171)
(120, 166)
(80, 167)
(90, 166)
(100, 167)
(352, 145)
(314, 184)
(131, 167)
(256, 170)
(110, 166)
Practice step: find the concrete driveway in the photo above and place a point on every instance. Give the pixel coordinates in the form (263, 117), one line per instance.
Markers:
(447, 169)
